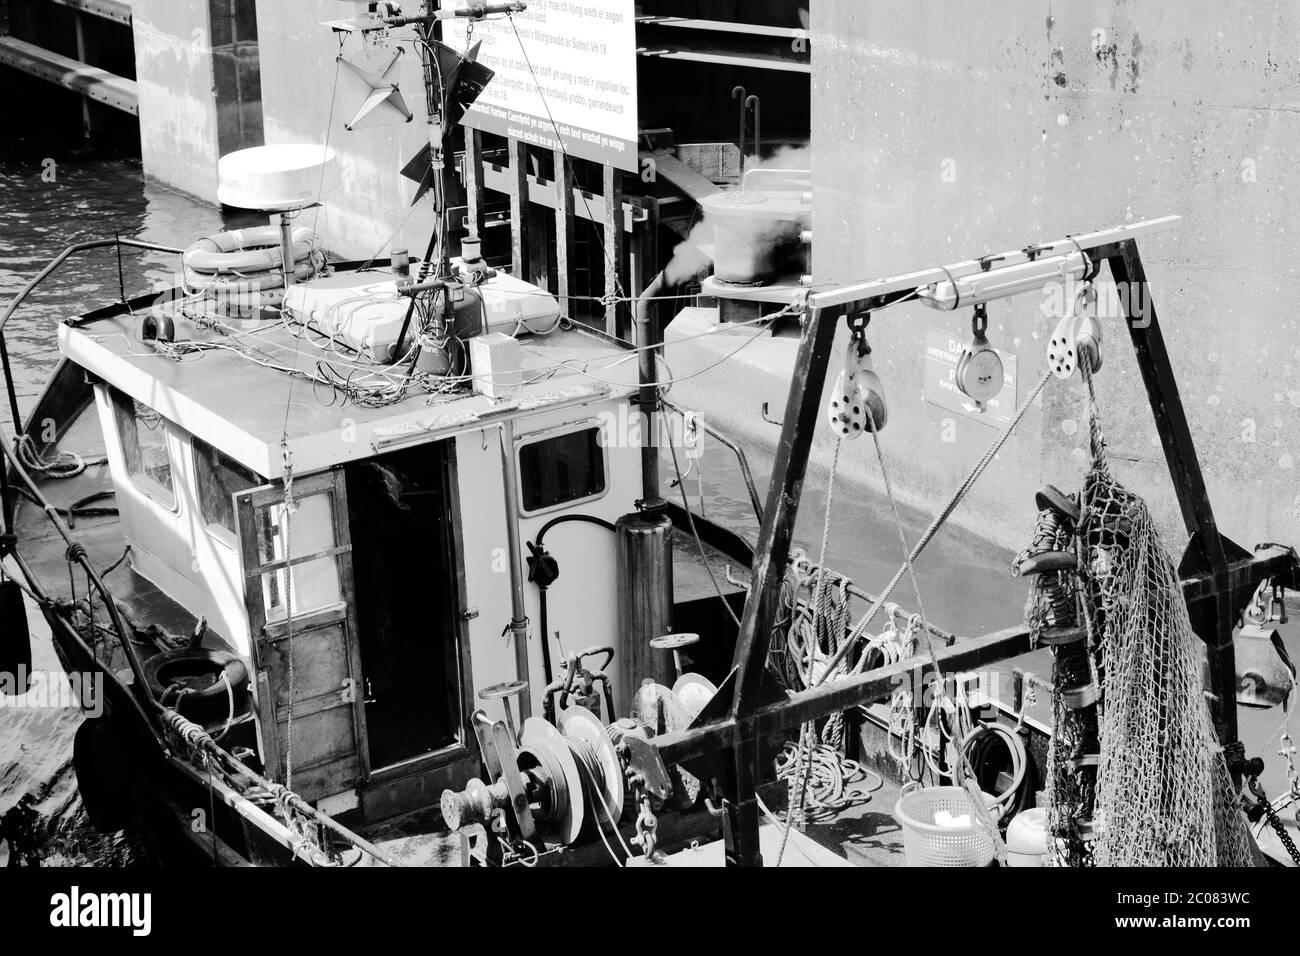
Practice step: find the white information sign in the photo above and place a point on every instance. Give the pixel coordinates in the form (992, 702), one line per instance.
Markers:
(565, 72)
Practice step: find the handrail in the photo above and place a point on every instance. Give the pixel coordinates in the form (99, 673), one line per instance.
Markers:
(78, 247)
(739, 452)
(40, 277)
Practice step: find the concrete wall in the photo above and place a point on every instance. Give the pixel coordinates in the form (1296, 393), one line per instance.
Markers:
(297, 75)
(944, 131)
(178, 108)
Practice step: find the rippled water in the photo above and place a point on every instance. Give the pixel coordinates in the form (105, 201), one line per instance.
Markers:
(49, 199)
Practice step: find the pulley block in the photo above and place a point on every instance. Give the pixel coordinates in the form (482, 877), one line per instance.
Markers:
(1265, 674)
(858, 399)
(979, 373)
(1077, 337)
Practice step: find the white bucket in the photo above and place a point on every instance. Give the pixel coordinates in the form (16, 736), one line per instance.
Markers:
(1027, 838)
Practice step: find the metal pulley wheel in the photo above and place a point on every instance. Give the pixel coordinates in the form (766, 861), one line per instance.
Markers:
(545, 753)
(858, 399)
(663, 712)
(694, 691)
(590, 745)
(979, 370)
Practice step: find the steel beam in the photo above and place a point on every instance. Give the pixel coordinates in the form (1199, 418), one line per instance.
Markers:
(115, 10)
(1213, 624)
(99, 85)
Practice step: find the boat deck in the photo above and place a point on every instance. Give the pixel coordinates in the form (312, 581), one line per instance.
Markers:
(235, 393)
(863, 833)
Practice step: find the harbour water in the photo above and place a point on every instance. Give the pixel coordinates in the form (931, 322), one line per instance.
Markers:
(52, 197)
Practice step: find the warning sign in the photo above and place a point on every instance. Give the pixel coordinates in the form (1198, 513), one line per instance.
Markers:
(942, 350)
(565, 73)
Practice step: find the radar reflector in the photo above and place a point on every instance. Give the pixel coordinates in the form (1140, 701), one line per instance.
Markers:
(375, 90)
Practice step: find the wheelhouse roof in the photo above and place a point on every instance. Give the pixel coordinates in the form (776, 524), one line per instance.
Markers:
(243, 408)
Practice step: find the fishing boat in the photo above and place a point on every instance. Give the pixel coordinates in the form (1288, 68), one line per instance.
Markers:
(371, 563)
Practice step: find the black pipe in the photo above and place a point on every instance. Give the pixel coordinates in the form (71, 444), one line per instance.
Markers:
(541, 596)
(648, 393)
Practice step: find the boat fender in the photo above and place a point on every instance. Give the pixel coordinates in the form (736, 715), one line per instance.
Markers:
(15, 641)
(97, 761)
(190, 680)
(246, 250)
(154, 328)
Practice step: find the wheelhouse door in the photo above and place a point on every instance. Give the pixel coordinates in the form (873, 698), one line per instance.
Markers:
(298, 592)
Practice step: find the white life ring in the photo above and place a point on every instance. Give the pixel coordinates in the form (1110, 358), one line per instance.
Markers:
(199, 282)
(244, 251)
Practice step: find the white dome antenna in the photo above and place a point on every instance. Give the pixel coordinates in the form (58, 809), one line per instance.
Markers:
(284, 179)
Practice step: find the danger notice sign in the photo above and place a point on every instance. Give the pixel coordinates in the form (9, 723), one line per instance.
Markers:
(565, 75)
(942, 351)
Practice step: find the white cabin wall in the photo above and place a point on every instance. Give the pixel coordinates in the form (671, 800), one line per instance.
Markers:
(172, 549)
(214, 568)
(583, 602)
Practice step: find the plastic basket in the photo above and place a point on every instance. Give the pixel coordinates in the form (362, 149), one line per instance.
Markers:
(926, 844)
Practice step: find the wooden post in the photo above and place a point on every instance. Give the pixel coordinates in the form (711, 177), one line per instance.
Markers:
(802, 410)
(474, 181)
(613, 185)
(563, 229)
(518, 208)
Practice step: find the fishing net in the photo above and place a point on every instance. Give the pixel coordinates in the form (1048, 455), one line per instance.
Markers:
(1164, 795)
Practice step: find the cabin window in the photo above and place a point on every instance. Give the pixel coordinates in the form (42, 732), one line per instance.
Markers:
(315, 581)
(562, 468)
(143, 435)
(217, 479)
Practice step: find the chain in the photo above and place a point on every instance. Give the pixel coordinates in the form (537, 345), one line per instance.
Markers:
(1282, 835)
(647, 828)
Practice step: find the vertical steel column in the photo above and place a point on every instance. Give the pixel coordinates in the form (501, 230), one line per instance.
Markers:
(519, 233)
(802, 409)
(474, 181)
(518, 612)
(1214, 625)
(563, 228)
